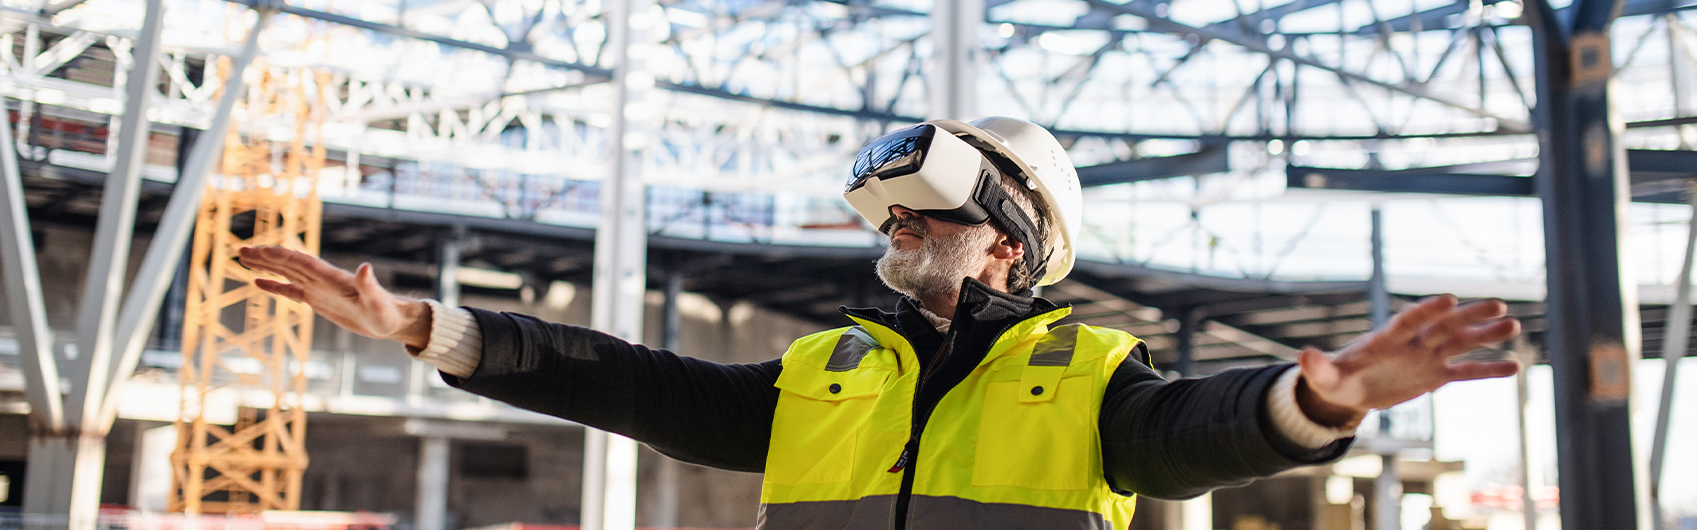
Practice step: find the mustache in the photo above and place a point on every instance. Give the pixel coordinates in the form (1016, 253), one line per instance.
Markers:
(911, 223)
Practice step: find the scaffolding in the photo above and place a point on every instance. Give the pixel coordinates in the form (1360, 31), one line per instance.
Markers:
(242, 346)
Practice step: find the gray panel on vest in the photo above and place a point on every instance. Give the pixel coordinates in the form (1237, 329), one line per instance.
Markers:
(927, 512)
(868, 513)
(1055, 348)
(851, 348)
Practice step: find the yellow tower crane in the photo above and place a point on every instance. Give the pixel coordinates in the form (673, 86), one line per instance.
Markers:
(240, 344)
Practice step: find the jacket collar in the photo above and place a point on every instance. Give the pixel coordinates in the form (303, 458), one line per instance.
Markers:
(979, 307)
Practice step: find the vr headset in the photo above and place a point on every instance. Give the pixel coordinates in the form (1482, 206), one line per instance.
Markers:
(935, 173)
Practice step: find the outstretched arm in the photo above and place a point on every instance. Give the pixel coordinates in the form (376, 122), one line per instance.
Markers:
(1184, 438)
(697, 411)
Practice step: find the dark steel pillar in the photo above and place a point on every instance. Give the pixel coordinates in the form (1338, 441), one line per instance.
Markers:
(670, 472)
(1593, 319)
(1189, 322)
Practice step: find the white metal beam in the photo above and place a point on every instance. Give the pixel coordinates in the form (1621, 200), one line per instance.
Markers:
(23, 297)
(1676, 336)
(103, 288)
(165, 252)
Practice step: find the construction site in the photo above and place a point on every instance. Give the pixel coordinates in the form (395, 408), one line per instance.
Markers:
(1258, 178)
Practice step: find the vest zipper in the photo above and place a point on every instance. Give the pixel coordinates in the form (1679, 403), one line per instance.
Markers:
(910, 452)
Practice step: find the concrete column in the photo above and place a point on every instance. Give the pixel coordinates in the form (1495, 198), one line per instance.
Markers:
(150, 475)
(64, 477)
(431, 510)
(1197, 513)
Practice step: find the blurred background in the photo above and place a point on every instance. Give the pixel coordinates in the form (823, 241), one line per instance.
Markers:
(1260, 176)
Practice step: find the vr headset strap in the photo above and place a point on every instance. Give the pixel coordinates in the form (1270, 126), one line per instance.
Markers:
(1007, 213)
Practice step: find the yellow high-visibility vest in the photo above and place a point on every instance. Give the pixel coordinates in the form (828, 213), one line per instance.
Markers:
(1014, 445)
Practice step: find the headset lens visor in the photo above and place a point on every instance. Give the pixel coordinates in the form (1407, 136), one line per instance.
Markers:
(893, 155)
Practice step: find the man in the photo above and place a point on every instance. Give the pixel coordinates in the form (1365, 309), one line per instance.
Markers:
(962, 409)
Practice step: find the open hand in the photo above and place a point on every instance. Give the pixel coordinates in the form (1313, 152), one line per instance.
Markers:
(352, 300)
(1409, 356)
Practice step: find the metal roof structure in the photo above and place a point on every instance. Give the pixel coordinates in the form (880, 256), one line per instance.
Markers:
(494, 118)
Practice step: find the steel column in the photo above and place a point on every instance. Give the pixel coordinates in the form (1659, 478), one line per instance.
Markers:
(1189, 323)
(1531, 477)
(447, 292)
(1378, 292)
(1676, 336)
(666, 484)
(609, 489)
(1387, 487)
(1593, 328)
(23, 296)
(169, 248)
(448, 268)
(954, 40)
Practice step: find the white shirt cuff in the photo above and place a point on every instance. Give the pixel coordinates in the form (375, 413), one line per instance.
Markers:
(456, 343)
(1289, 419)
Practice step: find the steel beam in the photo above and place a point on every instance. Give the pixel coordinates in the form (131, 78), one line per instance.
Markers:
(23, 296)
(1147, 11)
(1407, 181)
(1677, 336)
(168, 249)
(1592, 318)
(1650, 171)
(97, 314)
(1209, 159)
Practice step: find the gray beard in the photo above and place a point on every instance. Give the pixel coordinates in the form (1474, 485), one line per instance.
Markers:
(938, 265)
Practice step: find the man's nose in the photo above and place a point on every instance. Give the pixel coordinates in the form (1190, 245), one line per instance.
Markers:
(903, 213)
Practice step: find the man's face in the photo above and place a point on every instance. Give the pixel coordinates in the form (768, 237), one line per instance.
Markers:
(928, 257)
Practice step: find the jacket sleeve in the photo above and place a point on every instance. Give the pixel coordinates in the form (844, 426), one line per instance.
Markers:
(1180, 439)
(705, 413)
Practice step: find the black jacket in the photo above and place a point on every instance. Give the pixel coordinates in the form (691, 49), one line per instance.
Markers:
(1162, 439)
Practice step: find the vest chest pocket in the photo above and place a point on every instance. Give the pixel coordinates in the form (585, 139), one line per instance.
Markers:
(1036, 443)
(817, 423)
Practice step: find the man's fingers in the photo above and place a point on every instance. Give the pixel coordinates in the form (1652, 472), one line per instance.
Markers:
(285, 290)
(1459, 320)
(1473, 337)
(274, 260)
(1406, 326)
(1477, 370)
(301, 267)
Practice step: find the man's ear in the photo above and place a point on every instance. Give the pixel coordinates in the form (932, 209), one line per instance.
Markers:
(1007, 248)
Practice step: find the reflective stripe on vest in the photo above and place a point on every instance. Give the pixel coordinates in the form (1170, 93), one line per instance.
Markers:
(1014, 445)
(925, 511)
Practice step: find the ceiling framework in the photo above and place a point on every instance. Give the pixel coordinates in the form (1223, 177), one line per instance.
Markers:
(494, 113)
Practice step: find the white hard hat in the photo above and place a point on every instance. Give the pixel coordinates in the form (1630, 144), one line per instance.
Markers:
(1047, 170)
